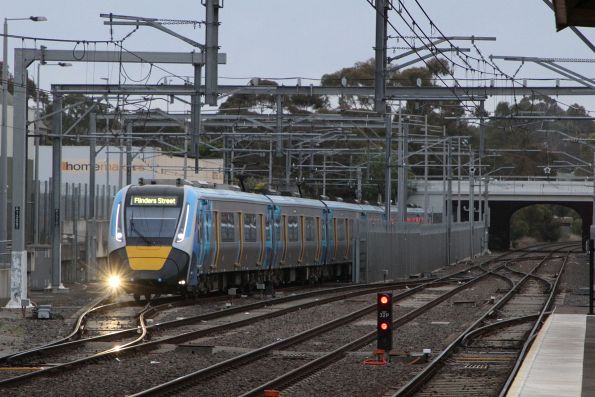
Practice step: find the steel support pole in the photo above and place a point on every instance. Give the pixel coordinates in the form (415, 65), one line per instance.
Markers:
(4, 145)
(591, 264)
(388, 119)
(187, 130)
(212, 50)
(449, 203)
(36, 168)
(471, 206)
(593, 168)
(444, 174)
(225, 162)
(57, 195)
(231, 160)
(480, 158)
(92, 232)
(380, 55)
(324, 176)
(129, 153)
(121, 164)
(358, 192)
(592, 245)
(279, 130)
(18, 266)
(76, 193)
(270, 179)
(288, 163)
(196, 105)
(403, 163)
(426, 171)
(459, 166)
(486, 217)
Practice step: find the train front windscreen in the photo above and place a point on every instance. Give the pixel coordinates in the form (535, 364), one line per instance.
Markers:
(151, 220)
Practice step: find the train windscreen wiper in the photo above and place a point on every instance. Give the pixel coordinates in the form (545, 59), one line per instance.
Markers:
(142, 236)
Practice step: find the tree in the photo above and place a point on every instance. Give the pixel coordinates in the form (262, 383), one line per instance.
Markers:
(31, 88)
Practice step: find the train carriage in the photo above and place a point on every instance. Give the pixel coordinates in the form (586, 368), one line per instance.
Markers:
(187, 239)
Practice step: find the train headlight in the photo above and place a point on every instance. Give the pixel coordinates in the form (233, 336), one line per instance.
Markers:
(118, 235)
(183, 224)
(114, 282)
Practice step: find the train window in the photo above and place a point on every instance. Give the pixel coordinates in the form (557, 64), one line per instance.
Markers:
(310, 229)
(292, 228)
(227, 226)
(267, 228)
(249, 227)
(277, 230)
(341, 229)
(151, 225)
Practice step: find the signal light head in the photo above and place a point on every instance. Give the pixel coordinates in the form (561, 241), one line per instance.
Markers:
(383, 299)
(384, 326)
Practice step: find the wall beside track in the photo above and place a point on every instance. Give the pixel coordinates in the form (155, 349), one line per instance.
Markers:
(418, 249)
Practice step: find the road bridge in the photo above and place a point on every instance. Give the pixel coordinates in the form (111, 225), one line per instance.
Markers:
(504, 197)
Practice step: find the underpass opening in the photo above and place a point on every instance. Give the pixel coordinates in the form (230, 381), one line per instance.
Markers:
(536, 223)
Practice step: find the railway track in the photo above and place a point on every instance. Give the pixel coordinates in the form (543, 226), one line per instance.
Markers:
(345, 293)
(138, 343)
(256, 357)
(484, 359)
(76, 338)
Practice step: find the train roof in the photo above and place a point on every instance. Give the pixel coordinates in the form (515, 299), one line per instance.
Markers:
(296, 201)
(372, 208)
(339, 205)
(228, 195)
(232, 195)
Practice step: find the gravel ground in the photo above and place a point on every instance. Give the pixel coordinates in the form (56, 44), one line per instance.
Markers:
(574, 287)
(433, 330)
(125, 378)
(347, 377)
(18, 333)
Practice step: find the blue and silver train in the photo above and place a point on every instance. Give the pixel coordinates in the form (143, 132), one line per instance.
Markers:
(186, 239)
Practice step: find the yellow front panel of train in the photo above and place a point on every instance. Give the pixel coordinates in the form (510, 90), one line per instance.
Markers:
(147, 258)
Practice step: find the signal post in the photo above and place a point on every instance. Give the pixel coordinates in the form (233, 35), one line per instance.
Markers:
(384, 340)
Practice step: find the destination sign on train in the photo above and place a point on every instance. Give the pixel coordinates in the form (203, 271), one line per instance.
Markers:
(154, 200)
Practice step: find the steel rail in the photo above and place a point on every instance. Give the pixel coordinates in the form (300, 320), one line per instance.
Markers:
(426, 374)
(531, 337)
(500, 324)
(79, 329)
(218, 328)
(183, 381)
(67, 343)
(194, 334)
(328, 359)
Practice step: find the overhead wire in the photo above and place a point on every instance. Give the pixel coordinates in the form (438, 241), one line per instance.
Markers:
(483, 59)
(413, 48)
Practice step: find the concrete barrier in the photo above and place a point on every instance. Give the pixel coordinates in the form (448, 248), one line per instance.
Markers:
(418, 249)
(4, 283)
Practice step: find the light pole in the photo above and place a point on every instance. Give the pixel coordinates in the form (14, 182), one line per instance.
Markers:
(4, 134)
(37, 138)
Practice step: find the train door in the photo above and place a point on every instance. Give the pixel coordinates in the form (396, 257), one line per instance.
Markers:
(325, 236)
(200, 242)
(268, 235)
(277, 241)
(209, 240)
(273, 235)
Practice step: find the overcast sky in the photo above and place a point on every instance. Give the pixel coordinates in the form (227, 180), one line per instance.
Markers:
(282, 38)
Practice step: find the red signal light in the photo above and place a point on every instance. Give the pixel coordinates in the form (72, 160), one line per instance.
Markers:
(385, 320)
